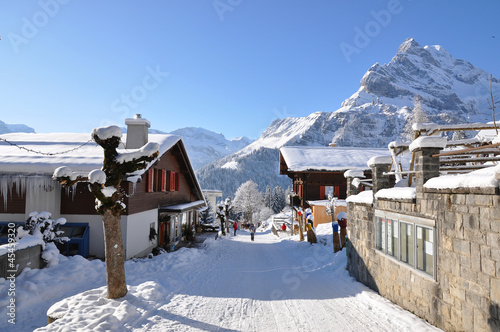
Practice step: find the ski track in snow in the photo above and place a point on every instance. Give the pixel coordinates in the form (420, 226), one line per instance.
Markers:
(233, 284)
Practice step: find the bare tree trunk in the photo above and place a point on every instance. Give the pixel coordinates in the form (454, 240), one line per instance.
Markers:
(114, 255)
(223, 226)
(301, 228)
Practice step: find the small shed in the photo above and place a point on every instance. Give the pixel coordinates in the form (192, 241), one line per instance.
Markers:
(319, 210)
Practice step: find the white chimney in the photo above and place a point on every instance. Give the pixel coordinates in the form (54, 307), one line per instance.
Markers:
(137, 132)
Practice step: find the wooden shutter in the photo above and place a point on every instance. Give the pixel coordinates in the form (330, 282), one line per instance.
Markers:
(336, 191)
(150, 183)
(163, 175)
(322, 192)
(171, 181)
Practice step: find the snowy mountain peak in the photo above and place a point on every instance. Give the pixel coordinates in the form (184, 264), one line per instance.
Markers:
(409, 45)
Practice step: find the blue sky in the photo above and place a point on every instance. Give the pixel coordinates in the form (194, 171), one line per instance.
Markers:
(230, 66)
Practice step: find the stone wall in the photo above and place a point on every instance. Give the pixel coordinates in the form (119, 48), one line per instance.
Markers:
(28, 257)
(403, 285)
(464, 295)
(468, 258)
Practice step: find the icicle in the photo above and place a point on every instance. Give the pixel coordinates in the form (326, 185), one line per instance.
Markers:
(31, 186)
(7, 182)
(38, 186)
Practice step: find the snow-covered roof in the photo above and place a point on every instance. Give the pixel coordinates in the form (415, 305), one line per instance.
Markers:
(18, 156)
(324, 158)
(324, 202)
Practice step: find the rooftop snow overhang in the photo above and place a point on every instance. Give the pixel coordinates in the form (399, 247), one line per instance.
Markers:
(182, 207)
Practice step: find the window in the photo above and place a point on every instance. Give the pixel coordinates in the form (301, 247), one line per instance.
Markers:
(325, 191)
(408, 239)
(407, 244)
(425, 250)
(393, 236)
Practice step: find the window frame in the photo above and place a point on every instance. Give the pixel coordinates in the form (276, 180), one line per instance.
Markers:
(384, 238)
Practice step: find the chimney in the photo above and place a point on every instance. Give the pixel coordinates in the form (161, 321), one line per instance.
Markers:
(137, 132)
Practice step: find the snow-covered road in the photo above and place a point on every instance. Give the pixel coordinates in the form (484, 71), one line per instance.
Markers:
(238, 285)
(277, 286)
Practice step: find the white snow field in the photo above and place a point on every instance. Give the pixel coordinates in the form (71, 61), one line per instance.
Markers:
(232, 284)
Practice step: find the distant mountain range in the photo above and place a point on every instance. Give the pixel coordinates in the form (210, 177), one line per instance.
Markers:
(452, 91)
(14, 128)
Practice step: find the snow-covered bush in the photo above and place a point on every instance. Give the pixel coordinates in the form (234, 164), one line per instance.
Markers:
(41, 225)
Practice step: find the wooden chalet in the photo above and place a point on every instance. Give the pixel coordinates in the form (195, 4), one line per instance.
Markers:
(162, 200)
(317, 171)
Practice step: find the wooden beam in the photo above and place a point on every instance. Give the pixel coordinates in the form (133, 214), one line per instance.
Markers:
(472, 126)
(464, 151)
(467, 160)
(463, 168)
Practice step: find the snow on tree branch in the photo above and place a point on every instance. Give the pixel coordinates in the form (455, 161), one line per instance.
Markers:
(97, 176)
(104, 133)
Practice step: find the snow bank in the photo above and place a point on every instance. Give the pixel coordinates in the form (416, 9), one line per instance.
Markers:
(354, 174)
(103, 314)
(26, 242)
(379, 160)
(483, 178)
(397, 193)
(364, 197)
(428, 142)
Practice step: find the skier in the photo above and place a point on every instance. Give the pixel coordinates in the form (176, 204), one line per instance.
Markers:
(252, 231)
(235, 227)
(283, 227)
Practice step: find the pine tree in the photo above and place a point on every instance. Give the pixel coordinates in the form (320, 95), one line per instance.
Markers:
(268, 197)
(278, 201)
(207, 215)
(418, 115)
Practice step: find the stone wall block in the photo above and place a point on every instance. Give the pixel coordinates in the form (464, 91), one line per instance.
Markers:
(493, 240)
(462, 247)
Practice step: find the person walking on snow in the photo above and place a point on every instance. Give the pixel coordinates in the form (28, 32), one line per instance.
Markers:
(252, 231)
(235, 227)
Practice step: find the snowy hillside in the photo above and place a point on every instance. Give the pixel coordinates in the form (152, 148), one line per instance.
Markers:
(205, 146)
(452, 91)
(14, 128)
